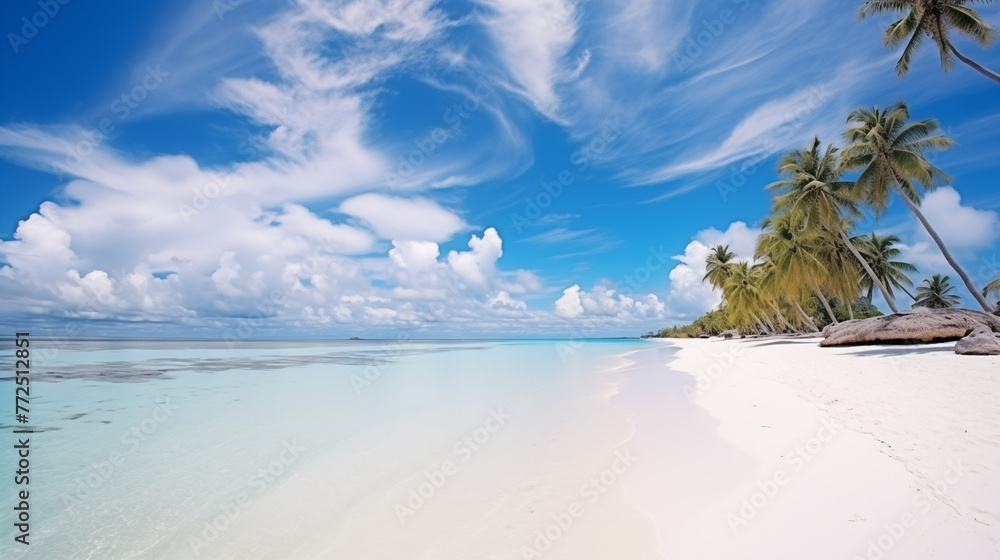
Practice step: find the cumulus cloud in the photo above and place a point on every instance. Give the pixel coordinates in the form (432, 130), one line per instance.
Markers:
(690, 297)
(962, 228)
(414, 255)
(477, 266)
(965, 230)
(569, 305)
(404, 219)
(605, 302)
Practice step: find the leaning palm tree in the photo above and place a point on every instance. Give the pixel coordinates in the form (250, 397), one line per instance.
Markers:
(936, 294)
(811, 185)
(718, 265)
(934, 19)
(844, 273)
(889, 149)
(993, 288)
(880, 251)
(743, 297)
(793, 249)
(775, 297)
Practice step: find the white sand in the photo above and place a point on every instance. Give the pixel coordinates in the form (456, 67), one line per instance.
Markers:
(913, 473)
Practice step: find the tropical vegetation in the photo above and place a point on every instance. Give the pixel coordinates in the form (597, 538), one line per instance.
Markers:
(935, 293)
(936, 20)
(889, 150)
(993, 288)
(880, 251)
(810, 268)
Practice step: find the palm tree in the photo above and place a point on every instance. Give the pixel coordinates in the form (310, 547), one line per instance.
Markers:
(743, 296)
(718, 265)
(811, 185)
(993, 288)
(889, 150)
(793, 249)
(844, 274)
(880, 251)
(934, 19)
(773, 293)
(936, 294)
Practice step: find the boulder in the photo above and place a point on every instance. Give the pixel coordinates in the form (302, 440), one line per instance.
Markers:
(729, 334)
(911, 327)
(980, 342)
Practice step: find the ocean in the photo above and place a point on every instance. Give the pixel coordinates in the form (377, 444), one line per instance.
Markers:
(391, 449)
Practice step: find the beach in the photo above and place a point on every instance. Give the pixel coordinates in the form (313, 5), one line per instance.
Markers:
(504, 450)
(858, 452)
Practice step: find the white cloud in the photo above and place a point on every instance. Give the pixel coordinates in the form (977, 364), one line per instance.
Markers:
(689, 296)
(226, 274)
(338, 238)
(962, 228)
(569, 305)
(534, 38)
(776, 125)
(604, 302)
(503, 302)
(414, 255)
(478, 266)
(404, 219)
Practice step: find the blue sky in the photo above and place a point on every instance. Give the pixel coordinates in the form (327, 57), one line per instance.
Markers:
(377, 167)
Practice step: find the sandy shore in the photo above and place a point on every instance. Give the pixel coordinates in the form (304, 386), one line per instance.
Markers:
(842, 453)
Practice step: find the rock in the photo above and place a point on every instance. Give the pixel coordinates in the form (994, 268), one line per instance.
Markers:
(703, 335)
(729, 334)
(980, 342)
(912, 327)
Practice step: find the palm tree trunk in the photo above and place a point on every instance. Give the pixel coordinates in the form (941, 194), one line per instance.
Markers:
(907, 292)
(770, 325)
(850, 310)
(984, 71)
(944, 250)
(826, 304)
(784, 322)
(871, 273)
(805, 317)
(760, 325)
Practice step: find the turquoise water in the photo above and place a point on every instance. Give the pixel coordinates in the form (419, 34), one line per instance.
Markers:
(182, 449)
